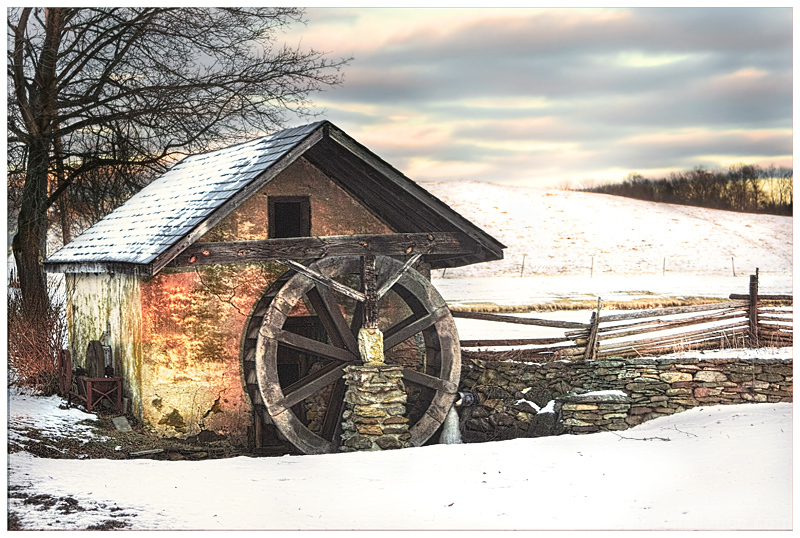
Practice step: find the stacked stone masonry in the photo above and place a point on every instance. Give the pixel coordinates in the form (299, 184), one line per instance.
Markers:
(607, 395)
(375, 403)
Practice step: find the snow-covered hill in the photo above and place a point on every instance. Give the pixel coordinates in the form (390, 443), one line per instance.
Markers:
(577, 233)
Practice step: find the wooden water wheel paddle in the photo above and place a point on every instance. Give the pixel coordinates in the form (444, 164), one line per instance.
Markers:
(294, 377)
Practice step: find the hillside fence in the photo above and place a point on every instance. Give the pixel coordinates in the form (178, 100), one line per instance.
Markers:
(745, 321)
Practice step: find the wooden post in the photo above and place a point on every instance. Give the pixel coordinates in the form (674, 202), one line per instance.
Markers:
(591, 345)
(370, 338)
(522, 271)
(753, 309)
(733, 267)
(369, 283)
(591, 270)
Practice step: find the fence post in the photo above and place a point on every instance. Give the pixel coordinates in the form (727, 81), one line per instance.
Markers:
(753, 310)
(591, 345)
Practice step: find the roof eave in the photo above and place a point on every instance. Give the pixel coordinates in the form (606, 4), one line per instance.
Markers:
(98, 267)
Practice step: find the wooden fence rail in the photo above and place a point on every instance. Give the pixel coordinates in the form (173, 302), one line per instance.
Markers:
(741, 322)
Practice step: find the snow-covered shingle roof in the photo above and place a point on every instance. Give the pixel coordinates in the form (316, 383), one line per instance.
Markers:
(174, 211)
(170, 207)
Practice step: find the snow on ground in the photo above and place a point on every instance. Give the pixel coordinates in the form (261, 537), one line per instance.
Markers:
(710, 468)
(539, 289)
(566, 232)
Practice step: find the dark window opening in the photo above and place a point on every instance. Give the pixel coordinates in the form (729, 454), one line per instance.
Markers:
(289, 216)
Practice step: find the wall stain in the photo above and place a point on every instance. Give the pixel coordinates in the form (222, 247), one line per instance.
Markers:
(174, 420)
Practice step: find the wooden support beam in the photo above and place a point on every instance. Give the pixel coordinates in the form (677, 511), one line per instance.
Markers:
(322, 279)
(520, 320)
(399, 244)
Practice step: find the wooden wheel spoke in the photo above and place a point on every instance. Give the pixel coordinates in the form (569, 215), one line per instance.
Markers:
(358, 318)
(322, 279)
(391, 281)
(311, 346)
(333, 412)
(404, 330)
(429, 381)
(332, 318)
(309, 385)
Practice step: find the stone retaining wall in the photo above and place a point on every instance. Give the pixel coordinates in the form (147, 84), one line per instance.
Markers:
(614, 394)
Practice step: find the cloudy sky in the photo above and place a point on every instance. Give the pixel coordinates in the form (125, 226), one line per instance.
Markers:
(550, 96)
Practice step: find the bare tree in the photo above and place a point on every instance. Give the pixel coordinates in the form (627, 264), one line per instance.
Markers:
(118, 93)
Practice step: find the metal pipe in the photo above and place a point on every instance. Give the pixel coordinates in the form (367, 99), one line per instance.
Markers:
(466, 399)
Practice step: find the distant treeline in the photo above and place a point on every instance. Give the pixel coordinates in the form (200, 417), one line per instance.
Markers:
(747, 188)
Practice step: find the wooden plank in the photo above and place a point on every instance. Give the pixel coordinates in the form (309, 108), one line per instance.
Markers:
(618, 332)
(672, 311)
(429, 381)
(393, 198)
(660, 350)
(789, 298)
(397, 244)
(719, 331)
(146, 452)
(513, 342)
(519, 321)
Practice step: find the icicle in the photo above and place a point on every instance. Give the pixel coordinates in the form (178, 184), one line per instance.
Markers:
(451, 432)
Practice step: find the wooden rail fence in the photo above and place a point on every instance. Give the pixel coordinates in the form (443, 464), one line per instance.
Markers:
(745, 321)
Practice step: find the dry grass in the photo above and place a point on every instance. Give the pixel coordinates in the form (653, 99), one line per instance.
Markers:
(564, 305)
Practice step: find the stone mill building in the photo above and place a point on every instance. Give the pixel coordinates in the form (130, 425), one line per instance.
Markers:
(231, 289)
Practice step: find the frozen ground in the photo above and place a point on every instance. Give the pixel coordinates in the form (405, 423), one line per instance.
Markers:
(710, 468)
(531, 290)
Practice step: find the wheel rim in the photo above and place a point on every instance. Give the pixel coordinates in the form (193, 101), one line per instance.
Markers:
(413, 317)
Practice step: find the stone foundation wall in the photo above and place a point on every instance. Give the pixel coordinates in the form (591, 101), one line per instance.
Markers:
(615, 394)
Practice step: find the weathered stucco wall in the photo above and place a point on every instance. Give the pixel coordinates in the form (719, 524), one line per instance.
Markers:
(179, 332)
(98, 302)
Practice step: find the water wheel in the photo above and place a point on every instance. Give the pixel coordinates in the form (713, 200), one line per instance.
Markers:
(306, 407)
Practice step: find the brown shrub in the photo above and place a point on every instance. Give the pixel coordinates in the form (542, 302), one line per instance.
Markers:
(34, 340)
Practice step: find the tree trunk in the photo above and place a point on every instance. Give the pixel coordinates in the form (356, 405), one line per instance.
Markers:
(30, 242)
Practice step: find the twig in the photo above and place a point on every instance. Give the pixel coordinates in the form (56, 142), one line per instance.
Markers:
(683, 432)
(642, 438)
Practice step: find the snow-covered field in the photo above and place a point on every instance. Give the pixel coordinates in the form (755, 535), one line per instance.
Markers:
(710, 468)
(576, 233)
